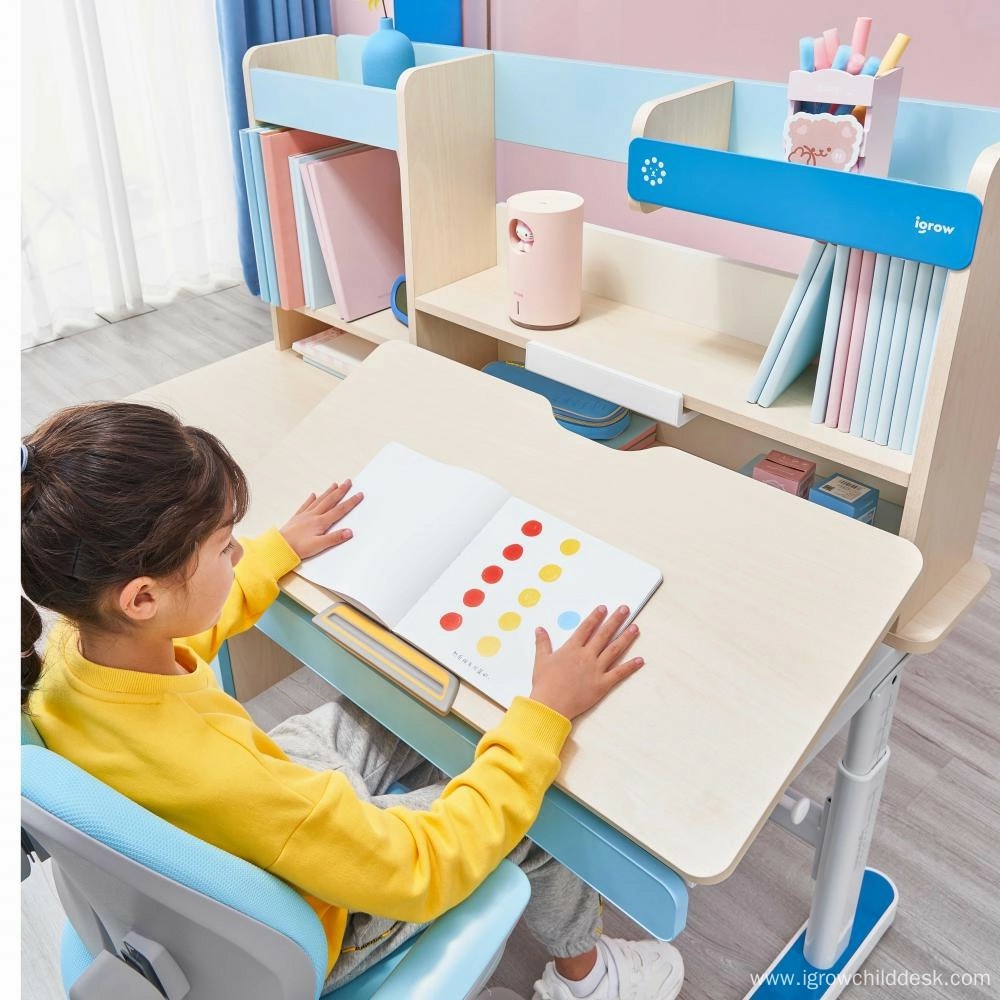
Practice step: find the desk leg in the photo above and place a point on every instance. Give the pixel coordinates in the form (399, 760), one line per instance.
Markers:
(852, 905)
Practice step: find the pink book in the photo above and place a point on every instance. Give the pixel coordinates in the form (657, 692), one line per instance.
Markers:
(275, 148)
(843, 339)
(357, 206)
(857, 339)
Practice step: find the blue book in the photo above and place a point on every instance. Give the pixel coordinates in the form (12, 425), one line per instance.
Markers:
(267, 240)
(908, 366)
(248, 178)
(900, 328)
(875, 304)
(785, 320)
(922, 374)
(886, 320)
(806, 332)
(829, 347)
(315, 279)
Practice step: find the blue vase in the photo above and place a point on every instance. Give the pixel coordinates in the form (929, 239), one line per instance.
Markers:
(387, 53)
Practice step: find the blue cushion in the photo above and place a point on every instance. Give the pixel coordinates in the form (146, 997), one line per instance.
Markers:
(79, 799)
(73, 956)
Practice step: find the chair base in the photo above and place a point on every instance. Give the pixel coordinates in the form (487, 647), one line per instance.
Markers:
(791, 977)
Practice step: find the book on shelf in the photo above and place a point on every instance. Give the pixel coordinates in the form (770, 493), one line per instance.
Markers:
(805, 333)
(897, 342)
(876, 303)
(459, 568)
(263, 209)
(356, 204)
(785, 320)
(316, 287)
(855, 351)
(253, 212)
(886, 321)
(335, 351)
(844, 327)
(640, 434)
(828, 345)
(276, 147)
(921, 375)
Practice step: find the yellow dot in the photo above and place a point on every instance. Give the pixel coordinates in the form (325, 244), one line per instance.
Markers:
(570, 547)
(549, 573)
(509, 621)
(489, 645)
(528, 598)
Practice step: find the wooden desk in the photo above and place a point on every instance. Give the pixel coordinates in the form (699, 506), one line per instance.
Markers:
(769, 608)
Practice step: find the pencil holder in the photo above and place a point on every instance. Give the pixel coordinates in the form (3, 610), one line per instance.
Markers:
(821, 129)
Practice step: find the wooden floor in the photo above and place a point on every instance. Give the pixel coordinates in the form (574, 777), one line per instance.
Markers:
(939, 826)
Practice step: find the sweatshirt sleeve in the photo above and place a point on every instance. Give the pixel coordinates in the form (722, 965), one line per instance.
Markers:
(266, 559)
(411, 865)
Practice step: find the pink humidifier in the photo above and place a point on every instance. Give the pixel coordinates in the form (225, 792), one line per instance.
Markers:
(545, 258)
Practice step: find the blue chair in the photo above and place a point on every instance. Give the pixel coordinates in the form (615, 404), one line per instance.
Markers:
(147, 902)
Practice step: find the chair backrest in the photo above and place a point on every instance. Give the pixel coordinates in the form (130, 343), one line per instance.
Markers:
(237, 932)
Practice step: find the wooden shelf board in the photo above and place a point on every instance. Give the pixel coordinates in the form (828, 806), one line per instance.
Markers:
(378, 327)
(712, 369)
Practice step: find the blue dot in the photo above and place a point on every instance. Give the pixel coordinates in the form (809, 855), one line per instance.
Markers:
(568, 620)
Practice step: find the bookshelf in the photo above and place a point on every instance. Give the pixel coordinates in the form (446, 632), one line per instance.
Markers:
(690, 322)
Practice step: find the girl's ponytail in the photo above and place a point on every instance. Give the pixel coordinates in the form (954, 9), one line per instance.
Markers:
(31, 662)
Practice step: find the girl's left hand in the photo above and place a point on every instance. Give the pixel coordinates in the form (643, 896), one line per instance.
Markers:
(308, 529)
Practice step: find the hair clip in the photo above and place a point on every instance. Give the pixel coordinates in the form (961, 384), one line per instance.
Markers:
(24, 457)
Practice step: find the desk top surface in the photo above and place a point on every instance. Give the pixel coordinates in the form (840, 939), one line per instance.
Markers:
(769, 608)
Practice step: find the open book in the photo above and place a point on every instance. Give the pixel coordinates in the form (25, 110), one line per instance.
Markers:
(459, 568)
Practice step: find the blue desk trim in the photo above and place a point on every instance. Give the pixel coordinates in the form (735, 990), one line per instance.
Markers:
(652, 894)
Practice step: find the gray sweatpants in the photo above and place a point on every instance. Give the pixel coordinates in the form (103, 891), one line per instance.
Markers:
(563, 913)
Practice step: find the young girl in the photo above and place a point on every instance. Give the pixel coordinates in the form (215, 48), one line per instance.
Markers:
(126, 532)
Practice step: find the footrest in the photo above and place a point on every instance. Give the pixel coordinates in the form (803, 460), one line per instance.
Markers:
(791, 977)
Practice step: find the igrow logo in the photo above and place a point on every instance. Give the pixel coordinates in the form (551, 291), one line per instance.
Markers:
(923, 226)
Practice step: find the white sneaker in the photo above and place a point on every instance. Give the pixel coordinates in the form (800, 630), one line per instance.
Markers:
(637, 970)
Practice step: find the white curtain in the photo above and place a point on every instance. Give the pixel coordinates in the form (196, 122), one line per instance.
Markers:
(126, 176)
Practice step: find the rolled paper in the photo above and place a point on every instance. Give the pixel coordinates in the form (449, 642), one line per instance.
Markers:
(806, 55)
(832, 38)
(821, 59)
(859, 40)
(893, 54)
(842, 58)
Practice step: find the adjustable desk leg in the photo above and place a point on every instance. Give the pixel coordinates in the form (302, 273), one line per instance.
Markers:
(852, 905)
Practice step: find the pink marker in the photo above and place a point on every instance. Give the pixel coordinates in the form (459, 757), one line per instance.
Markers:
(859, 40)
(832, 38)
(821, 59)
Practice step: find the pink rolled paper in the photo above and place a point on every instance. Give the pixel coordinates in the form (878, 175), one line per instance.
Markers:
(859, 40)
(857, 339)
(832, 38)
(821, 58)
(843, 339)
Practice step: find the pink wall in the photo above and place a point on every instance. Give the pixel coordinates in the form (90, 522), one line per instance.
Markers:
(953, 57)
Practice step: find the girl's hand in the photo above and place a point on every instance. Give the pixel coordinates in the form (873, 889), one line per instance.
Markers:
(308, 529)
(583, 670)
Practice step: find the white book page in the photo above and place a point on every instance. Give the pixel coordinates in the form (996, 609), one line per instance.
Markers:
(416, 517)
(554, 577)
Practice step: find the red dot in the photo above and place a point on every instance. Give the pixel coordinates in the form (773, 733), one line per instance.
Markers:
(451, 621)
(492, 574)
(513, 552)
(531, 528)
(473, 598)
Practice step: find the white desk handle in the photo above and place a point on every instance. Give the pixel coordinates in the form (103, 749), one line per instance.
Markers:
(653, 400)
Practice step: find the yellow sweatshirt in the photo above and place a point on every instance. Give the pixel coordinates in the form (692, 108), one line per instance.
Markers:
(185, 750)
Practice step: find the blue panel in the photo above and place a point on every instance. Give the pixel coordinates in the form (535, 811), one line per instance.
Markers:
(637, 883)
(793, 978)
(576, 107)
(870, 213)
(349, 48)
(330, 107)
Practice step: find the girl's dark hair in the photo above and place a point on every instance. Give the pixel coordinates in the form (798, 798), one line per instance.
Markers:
(110, 492)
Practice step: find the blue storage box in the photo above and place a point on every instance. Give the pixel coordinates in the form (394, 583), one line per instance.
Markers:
(577, 411)
(846, 496)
